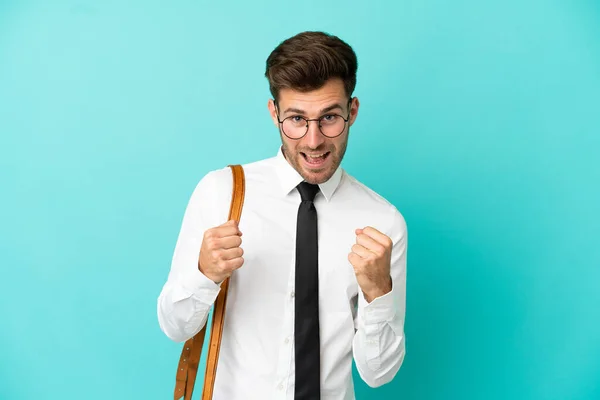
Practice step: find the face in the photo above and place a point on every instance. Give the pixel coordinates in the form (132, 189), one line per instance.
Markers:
(329, 99)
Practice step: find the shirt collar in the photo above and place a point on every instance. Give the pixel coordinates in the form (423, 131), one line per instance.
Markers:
(289, 178)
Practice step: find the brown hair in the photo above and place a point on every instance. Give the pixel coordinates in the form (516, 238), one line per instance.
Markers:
(307, 60)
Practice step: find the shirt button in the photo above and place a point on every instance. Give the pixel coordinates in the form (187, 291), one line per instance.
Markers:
(287, 340)
(280, 387)
(292, 294)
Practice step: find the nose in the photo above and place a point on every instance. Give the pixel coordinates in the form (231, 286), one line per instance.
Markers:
(314, 138)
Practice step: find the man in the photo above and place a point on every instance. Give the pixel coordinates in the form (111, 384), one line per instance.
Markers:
(318, 261)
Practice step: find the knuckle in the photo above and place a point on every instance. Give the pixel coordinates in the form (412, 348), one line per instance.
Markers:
(233, 264)
(225, 267)
(210, 242)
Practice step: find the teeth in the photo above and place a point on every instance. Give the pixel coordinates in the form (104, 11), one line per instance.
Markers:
(315, 156)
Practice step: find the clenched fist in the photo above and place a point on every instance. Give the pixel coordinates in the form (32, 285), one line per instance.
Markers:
(220, 253)
(371, 259)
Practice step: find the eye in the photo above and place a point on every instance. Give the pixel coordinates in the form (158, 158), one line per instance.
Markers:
(296, 120)
(329, 118)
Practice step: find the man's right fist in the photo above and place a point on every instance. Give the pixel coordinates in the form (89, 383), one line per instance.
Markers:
(220, 253)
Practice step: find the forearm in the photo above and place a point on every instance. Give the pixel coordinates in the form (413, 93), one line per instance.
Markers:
(187, 296)
(183, 307)
(379, 343)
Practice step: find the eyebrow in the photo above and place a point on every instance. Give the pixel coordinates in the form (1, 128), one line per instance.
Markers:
(323, 111)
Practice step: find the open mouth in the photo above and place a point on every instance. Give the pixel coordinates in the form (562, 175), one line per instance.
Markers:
(315, 159)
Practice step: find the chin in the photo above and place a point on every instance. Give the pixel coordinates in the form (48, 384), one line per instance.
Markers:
(315, 176)
(315, 179)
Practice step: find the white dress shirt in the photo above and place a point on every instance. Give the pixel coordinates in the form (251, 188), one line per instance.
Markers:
(257, 350)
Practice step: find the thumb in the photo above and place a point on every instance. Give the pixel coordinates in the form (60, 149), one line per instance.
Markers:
(233, 222)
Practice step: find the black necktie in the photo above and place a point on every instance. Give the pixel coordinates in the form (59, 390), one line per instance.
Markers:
(306, 325)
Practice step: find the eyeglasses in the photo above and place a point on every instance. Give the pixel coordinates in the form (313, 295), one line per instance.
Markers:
(330, 125)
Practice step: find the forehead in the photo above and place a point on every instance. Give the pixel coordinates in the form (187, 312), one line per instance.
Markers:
(330, 93)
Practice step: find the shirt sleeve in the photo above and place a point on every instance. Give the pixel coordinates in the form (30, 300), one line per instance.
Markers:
(379, 341)
(187, 296)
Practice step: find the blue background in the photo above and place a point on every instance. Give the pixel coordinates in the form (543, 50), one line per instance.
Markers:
(478, 120)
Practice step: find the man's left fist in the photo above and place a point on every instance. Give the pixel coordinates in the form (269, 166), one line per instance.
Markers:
(371, 258)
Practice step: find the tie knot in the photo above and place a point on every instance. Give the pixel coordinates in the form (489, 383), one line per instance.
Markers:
(308, 191)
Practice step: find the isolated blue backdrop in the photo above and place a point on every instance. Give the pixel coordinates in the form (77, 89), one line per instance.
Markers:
(479, 121)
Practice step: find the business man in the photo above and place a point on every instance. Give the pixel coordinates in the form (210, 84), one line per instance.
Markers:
(318, 260)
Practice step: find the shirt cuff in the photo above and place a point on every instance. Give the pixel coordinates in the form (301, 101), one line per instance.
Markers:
(381, 309)
(201, 287)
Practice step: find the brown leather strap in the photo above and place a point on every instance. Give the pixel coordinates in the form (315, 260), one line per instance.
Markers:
(192, 349)
(235, 212)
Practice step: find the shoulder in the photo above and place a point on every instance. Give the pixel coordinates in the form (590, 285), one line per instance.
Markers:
(221, 178)
(375, 202)
(217, 183)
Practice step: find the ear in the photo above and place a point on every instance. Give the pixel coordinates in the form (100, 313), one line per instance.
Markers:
(273, 112)
(353, 110)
